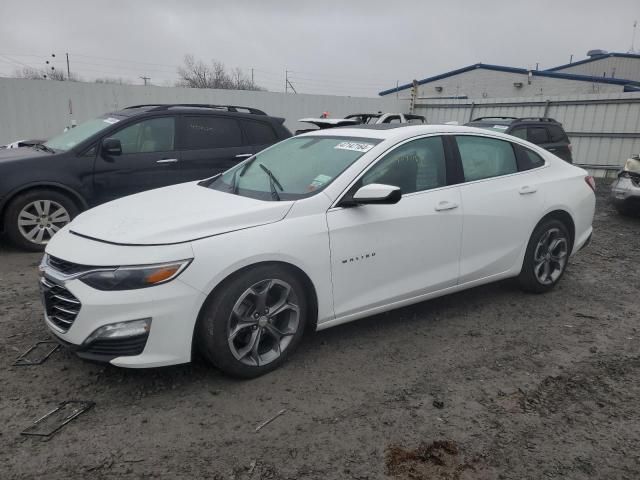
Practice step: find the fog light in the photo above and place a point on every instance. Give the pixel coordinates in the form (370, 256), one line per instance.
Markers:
(119, 330)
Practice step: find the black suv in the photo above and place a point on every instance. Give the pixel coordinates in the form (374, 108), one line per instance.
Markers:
(545, 132)
(44, 186)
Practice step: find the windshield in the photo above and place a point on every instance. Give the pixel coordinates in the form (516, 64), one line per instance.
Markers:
(76, 135)
(295, 168)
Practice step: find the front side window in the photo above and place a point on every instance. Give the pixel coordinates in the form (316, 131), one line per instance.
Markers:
(211, 132)
(413, 167)
(295, 168)
(484, 157)
(148, 136)
(520, 132)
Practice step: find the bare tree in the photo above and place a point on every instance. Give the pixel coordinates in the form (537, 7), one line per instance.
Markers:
(197, 74)
(113, 80)
(42, 74)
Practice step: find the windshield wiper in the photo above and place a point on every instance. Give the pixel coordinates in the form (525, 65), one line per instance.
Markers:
(273, 181)
(42, 146)
(234, 181)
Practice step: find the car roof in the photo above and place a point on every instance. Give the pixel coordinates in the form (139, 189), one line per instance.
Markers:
(398, 132)
(226, 110)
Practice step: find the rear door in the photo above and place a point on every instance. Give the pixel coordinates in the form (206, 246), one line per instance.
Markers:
(502, 197)
(258, 134)
(210, 144)
(149, 160)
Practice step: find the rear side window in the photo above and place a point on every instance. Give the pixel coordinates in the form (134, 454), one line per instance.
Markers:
(528, 159)
(484, 157)
(538, 135)
(557, 133)
(211, 132)
(259, 133)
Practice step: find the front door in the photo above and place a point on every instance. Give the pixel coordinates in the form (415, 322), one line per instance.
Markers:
(149, 160)
(381, 254)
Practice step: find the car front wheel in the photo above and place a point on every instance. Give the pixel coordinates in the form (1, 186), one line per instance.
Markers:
(34, 217)
(253, 321)
(546, 257)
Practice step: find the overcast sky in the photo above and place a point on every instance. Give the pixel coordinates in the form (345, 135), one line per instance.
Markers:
(353, 47)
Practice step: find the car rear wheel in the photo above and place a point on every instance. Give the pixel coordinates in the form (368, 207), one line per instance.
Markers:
(254, 321)
(546, 257)
(33, 217)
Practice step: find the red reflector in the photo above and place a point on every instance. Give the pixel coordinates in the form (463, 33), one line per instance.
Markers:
(591, 182)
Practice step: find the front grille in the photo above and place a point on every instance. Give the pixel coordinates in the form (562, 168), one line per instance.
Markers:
(120, 347)
(61, 306)
(68, 268)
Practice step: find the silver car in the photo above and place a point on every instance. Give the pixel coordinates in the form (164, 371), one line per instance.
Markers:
(625, 191)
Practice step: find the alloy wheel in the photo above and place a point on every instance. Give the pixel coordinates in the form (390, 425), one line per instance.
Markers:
(550, 256)
(263, 322)
(38, 221)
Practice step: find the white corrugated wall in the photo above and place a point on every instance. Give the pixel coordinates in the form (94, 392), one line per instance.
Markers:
(604, 129)
(41, 108)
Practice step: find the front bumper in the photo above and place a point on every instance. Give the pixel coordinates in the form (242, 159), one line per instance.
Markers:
(172, 307)
(626, 192)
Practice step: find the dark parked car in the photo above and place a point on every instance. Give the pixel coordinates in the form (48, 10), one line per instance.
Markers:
(44, 186)
(545, 132)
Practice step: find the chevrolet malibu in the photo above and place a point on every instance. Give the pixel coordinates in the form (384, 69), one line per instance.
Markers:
(315, 231)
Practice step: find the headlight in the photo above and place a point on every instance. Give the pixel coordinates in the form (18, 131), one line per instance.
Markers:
(131, 278)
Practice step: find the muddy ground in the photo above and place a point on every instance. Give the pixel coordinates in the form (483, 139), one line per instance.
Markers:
(486, 384)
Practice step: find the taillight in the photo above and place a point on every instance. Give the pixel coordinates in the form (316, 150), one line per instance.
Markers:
(591, 182)
(570, 147)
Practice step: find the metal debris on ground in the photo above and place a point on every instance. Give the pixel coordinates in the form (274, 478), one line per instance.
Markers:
(57, 418)
(37, 354)
(267, 422)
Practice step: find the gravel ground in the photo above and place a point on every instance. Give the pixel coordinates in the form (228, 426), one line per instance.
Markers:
(489, 383)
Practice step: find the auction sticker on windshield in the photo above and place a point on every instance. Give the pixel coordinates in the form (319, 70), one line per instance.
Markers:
(354, 146)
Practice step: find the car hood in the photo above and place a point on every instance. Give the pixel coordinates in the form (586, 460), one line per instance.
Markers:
(175, 214)
(11, 154)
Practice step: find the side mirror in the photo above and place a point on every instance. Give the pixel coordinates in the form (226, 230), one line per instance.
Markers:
(377, 193)
(111, 147)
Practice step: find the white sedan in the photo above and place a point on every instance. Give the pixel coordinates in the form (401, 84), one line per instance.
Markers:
(318, 230)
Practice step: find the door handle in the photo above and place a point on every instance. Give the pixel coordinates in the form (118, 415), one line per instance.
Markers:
(527, 190)
(167, 160)
(244, 155)
(445, 205)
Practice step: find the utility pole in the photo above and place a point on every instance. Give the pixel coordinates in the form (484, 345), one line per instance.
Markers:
(145, 79)
(286, 81)
(68, 70)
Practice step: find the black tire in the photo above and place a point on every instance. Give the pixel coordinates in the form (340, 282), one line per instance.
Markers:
(22, 201)
(528, 279)
(626, 210)
(214, 324)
